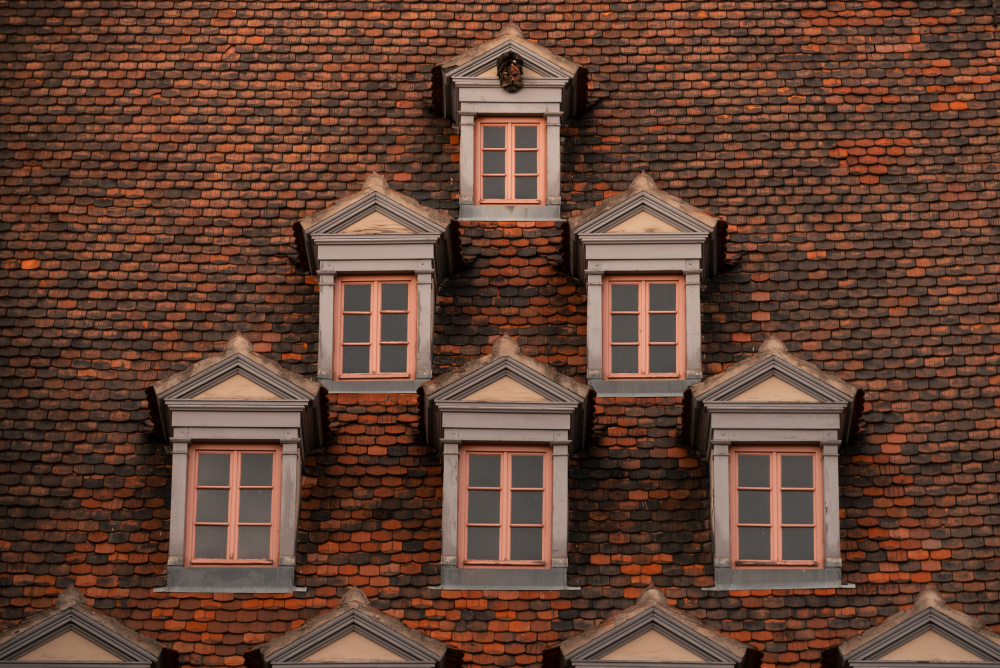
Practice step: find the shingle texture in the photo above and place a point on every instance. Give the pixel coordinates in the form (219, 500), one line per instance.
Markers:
(154, 157)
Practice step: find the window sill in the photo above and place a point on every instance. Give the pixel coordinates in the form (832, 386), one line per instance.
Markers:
(759, 579)
(504, 579)
(372, 386)
(231, 579)
(641, 388)
(509, 212)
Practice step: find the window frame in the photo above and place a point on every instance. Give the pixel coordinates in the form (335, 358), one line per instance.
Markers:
(375, 345)
(775, 488)
(232, 523)
(506, 453)
(680, 335)
(510, 150)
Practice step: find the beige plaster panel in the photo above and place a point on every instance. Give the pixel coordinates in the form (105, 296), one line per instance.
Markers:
(505, 389)
(353, 648)
(930, 646)
(69, 646)
(237, 387)
(643, 223)
(774, 389)
(376, 223)
(651, 646)
(527, 73)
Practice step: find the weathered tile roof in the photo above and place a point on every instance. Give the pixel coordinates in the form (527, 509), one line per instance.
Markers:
(155, 155)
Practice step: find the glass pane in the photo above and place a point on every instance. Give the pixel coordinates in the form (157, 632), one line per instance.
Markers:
(392, 359)
(255, 506)
(483, 543)
(394, 326)
(493, 162)
(395, 296)
(526, 136)
(797, 544)
(624, 297)
(755, 507)
(755, 543)
(662, 359)
(525, 544)
(526, 162)
(493, 187)
(484, 506)
(526, 507)
(254, 543)
(356, 328)
(754, 470)
(525, 187)
(357, 297)
(493, 136)
(797, 471)
(255, 469)
(484, 470)
(212, 505)
(213, 469)
(625, 359)
(527, 471)
(663, 327)
(210, 542)
(624, 328)
(662, 297)
(355, 359)
(797, 508)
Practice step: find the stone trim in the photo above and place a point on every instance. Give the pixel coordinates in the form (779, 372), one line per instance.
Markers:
(775, 579)
(131, 655)
(641, 388)
(505, 579)
(231, 579)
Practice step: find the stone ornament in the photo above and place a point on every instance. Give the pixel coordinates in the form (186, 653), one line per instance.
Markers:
(510, 68)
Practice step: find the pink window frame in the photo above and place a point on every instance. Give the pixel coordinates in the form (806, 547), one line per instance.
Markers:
(644, 282)
(234, 488)
(775, 453)
(374, 327)
(509, 123)
(505, 502)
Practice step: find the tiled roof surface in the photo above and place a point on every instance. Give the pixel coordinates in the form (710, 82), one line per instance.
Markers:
(155, 155)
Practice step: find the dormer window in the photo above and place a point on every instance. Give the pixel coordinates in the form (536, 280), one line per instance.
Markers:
(644, 326)
(510, 161)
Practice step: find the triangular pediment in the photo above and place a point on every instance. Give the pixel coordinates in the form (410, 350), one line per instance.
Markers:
(373, 213)
(353, 647)
(239, 378)
(774, 388)
(653, 645)
(930, 646)
(481, 60)
(376, 222)
(70, 646)
(505, 388)
(646, 212)
(237, 386)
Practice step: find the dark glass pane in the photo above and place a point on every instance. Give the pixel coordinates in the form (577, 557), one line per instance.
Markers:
(256, 468)
(255, 506)
(797, 544)
(662, 359)
(797, 471)
(484, 506)
(484, 470)
(493, 137)
(624, 328)
(755, 543)
(525, 544)
(357, 297)
(625, 359)
(662, 297)
(393, 359)
(755, 507)
(754, 470)
(526, 136)
(663, 327)
(494, 162)
(526, 162)
(356, 328)
(394, 326)
(212, 505)
(526, 508)
(527, 471)
(210, 542)
(254, 543)
(355, 359)
(493, 187)
(624, 297)
(483, 543)
(395, 296)
(525, 187)
(797, 508)
(213, 469)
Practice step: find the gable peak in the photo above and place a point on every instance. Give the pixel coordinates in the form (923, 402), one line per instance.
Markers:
(354, 598)
(511, 30)
(643, 182)
(69, 597)
(376, 182)
(505, 347)
(652, 596)
(772, 346)
(239, 344)
(928, 598)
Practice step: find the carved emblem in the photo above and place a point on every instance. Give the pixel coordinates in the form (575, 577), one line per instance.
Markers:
(510, 67)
